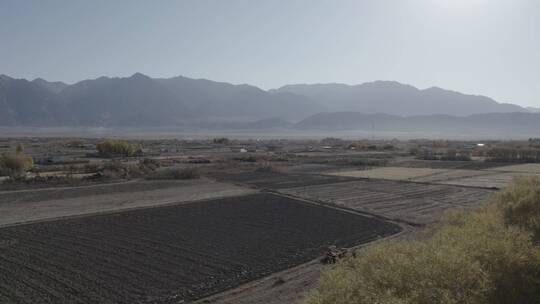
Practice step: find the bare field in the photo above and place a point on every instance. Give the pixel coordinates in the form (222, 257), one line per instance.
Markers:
(32, 205)
(409, 202)
(493, 178)
(497, 180)
(390, 173)
(276, 180)
(452, 174)
(171, 254)
(521, 168)
(447, 164)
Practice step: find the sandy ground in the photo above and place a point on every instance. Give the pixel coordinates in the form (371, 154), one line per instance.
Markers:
(34, 205)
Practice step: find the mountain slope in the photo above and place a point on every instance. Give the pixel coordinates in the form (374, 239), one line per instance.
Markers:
(210, 99)
(25, 103)
(136, 100)
(54, 87)
(397, 99)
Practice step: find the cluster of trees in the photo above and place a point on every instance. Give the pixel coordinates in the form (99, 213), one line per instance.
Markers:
(15, 164)
(362, 146)
(222, 141)
(514, 154)
(118, 147)
(490, 255)
(366, 146)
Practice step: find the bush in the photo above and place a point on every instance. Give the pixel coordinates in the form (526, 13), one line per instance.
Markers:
(148, 165)
(116, 169)
(117, 147)
(176, 173)
(222, 141)
(90, 168)
(482, 256)
(15, 164)
(521, 205)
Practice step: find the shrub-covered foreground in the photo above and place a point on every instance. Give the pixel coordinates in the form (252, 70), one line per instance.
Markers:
(490, 255)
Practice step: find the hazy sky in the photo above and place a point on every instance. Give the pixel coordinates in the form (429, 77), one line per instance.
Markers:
(489, 47)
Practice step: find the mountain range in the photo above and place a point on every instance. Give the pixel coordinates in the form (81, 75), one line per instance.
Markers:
(143, 101)
(394, 98)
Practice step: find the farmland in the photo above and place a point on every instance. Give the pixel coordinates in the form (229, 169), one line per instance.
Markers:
(173, 253)
(213, 221)
(276, 180)
(491, 177)
(41, 204)
(409, 202)
(391, 173)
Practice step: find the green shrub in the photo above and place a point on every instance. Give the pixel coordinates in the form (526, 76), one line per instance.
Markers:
(482, 256)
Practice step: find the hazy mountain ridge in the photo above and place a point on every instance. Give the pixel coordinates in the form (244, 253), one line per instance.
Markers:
(26, 103)
(392, 97)
(136, 100)
(180, 101)
(141, 100)
(206, 98)
(54, 87)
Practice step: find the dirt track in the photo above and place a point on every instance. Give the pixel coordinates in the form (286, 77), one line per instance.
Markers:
(166, 254)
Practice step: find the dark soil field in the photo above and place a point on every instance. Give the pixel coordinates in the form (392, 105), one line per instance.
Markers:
(276, 180)
(170, 254)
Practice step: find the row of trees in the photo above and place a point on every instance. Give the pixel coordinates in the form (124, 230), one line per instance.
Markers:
(490, 255)
(448, 154)
(512, 154)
